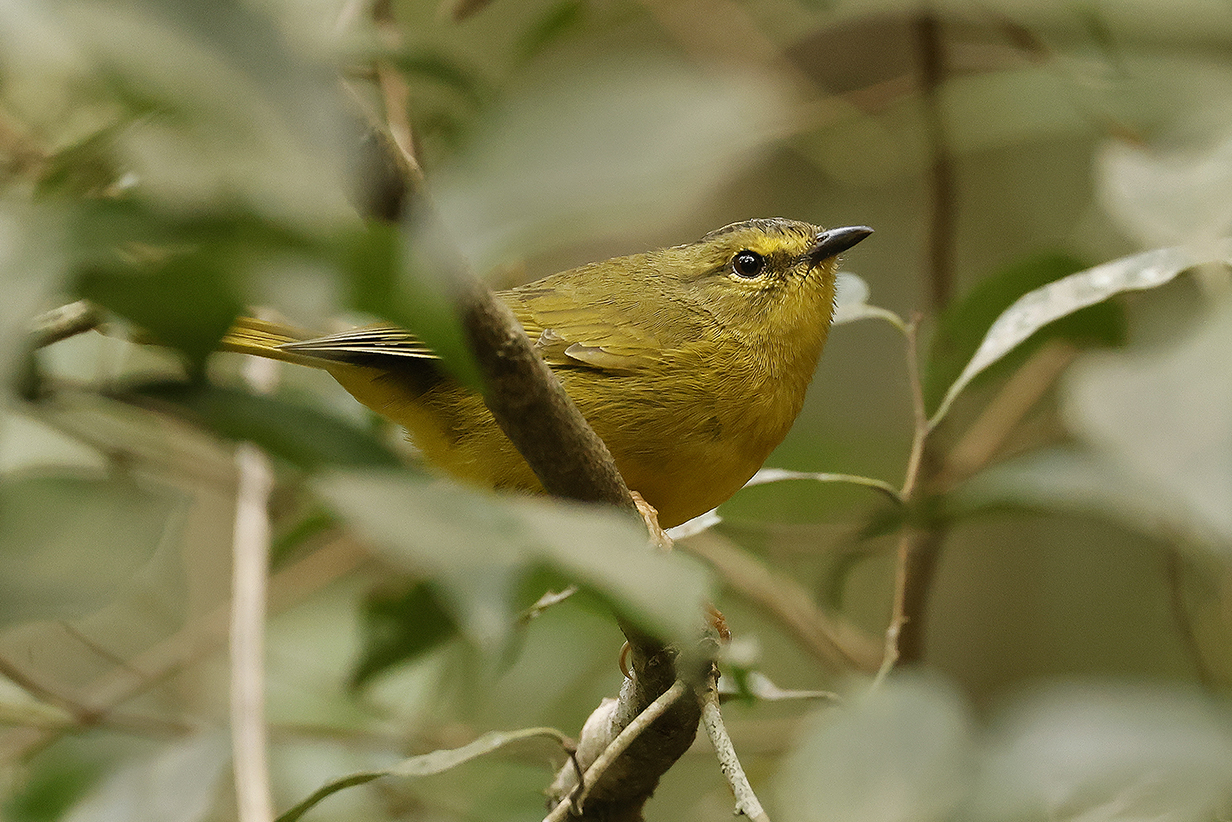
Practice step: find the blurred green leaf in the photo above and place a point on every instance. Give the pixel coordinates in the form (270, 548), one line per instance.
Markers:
(177, 783)
(478, 547)
(626, 142)
(70, 541)
(1163, 418)
(1166, 194)
(52, 783)
(963, 325)
(443, 70)
(1068, 295)
(902, 752)
(550, 27)
(299, 434)
(397, 627)
(1107, 751)
(187, 302)
(402, 273)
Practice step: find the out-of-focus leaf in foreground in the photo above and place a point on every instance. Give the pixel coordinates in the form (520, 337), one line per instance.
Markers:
(302, 435)
(629, 144)
(1164, 195)
(478, 546)
(69, 541)
(903, 752)
(399, 626)
(1155, 429)
(177, 783)
(1107, 752)
(1063, 297)
(1165, 418)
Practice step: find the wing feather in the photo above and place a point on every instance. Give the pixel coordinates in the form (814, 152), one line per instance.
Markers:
(564, 326)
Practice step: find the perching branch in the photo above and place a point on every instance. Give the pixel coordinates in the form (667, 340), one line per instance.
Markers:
(571, 462)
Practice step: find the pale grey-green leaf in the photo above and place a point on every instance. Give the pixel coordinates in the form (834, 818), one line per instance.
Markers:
(903, 752)
(69, 541)
(1037, 308)
(1163, 417)
(851, 302)
(478, 545)
(1104, 752)
(177, 783)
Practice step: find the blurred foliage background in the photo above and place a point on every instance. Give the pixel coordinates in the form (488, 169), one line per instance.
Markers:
(174, 162)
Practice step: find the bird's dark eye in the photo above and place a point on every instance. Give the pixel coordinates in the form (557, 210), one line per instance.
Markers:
(748, 263)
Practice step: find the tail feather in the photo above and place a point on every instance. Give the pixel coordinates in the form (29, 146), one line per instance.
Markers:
(264, 338)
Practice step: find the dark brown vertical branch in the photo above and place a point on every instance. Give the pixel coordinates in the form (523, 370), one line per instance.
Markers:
(924, 545)
(930, 51)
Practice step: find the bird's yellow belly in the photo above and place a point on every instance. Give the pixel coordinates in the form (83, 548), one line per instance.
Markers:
(681, 462)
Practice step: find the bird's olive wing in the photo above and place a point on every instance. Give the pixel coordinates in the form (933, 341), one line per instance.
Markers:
(565, 330)
(571, 333)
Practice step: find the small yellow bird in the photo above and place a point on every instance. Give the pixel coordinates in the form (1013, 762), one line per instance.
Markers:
(690, 362)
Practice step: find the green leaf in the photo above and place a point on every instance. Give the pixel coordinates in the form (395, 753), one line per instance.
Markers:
(1154, 450)
(1107, 751)
(902, 752)
(401, 273)
(398, 626)
(427, 764)
(550, 27)
(70, 541)
(176, 784)
(477, 547)
(186, 301)
(1063, 297)
(963, 325)
(443, 71)
(298, 433)
(625, 143)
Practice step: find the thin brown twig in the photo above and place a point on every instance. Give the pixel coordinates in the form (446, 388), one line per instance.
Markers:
(396, 94)
(919, 549)
(64, 322)
(898, 610)
(919, 434)
(80, 714)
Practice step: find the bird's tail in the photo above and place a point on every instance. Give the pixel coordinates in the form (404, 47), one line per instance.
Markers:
(264, 338)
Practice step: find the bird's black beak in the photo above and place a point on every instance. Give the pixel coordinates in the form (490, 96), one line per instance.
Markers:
(835, 241)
